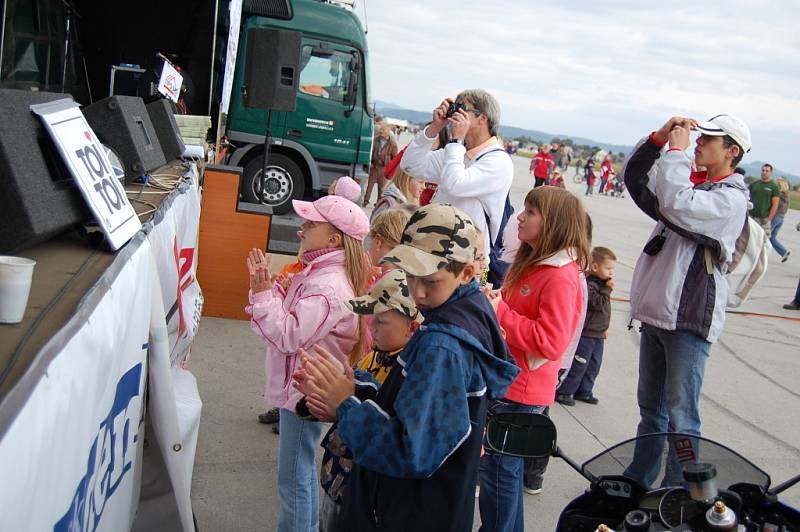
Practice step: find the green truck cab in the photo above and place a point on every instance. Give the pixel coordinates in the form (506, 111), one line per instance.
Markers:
(330, 133)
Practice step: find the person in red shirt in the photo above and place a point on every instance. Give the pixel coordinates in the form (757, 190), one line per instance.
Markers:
(605, 173)
(539, 309)
(541, 166)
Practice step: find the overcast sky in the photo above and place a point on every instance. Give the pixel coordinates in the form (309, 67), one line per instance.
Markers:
(609, 70)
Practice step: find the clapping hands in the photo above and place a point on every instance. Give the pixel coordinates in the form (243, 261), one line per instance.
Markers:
(324, 382)
(259, 267)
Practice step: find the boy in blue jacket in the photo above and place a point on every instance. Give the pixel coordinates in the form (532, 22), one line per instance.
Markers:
(416, 446)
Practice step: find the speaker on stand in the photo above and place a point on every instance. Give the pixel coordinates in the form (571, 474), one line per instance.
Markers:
(272, 75)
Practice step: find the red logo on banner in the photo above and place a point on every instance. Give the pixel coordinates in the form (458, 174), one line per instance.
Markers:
(183, 264)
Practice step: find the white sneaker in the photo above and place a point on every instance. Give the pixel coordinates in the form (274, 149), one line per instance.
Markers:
(786, 256)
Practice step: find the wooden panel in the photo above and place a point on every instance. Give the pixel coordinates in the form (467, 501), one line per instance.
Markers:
(226, 236)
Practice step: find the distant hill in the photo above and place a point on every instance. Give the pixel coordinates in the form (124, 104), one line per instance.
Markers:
(754, 169)
(509, 132)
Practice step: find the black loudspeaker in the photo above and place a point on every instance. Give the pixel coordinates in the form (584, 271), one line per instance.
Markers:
(273, 69)
(38, 197)
(169, 136)
(122, 123)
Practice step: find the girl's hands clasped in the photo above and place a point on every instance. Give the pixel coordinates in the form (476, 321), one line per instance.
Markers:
(259, 266)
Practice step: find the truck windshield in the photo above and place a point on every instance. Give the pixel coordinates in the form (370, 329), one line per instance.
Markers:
(325, 74)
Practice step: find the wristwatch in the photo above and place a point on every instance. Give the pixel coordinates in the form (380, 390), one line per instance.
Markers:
(456, 141)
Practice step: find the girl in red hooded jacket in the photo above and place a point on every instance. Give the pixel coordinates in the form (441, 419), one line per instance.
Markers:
(539, 309)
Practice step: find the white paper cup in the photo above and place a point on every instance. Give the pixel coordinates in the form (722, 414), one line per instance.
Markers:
(16, 274)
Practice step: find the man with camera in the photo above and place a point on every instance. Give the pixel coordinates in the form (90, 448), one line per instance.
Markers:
(473, 171)
(679, 290)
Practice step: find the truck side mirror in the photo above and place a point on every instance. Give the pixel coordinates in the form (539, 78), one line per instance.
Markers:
(352, 85)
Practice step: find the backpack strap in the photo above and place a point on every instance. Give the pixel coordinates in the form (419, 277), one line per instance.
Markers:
(481, 156)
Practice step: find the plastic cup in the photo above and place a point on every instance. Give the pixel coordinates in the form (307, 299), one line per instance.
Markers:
(16, 274)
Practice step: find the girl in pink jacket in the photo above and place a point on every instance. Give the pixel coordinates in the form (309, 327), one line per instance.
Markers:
(309, 308)
(539, 309)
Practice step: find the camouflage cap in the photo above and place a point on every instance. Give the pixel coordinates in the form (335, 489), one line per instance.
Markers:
(435, 235)
(390, 292)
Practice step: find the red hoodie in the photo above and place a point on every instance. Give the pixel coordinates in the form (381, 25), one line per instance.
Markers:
(540, 316)
(541, 164)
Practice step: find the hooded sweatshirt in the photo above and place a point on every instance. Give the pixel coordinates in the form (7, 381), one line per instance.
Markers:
(416, 447)
(540, 316)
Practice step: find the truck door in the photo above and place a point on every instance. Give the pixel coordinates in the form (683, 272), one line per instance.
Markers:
(322, 121)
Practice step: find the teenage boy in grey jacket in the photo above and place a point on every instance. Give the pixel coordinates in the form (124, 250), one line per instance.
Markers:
(679, 291)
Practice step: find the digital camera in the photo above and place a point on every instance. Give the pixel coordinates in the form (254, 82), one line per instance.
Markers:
(454, 108)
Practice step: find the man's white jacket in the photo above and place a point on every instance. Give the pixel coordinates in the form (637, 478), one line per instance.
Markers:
(477, 185)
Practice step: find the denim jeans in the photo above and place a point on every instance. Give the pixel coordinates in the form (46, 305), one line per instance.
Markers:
(298, 488)
(671, 369)
(585, 368)
(777, 223)
(501, 480)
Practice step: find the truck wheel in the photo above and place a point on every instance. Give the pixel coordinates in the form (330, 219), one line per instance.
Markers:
(283, 182)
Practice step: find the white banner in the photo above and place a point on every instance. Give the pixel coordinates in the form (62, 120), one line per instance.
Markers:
(70, 461)
(230, 54)
(174, 244)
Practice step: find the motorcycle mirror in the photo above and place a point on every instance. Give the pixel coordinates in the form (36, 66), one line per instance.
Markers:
(521, 434)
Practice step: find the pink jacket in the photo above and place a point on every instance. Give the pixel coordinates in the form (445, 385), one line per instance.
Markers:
(313, 310)
(540, 317)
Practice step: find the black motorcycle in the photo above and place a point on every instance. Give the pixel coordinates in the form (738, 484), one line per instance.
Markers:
(719, 489)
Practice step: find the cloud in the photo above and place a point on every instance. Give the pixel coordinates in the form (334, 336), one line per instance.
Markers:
(607, 70)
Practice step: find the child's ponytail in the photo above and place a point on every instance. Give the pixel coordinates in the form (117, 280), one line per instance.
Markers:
(358, 269)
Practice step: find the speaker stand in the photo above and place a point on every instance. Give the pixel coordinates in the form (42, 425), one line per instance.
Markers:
(69, 10)
(267, 143)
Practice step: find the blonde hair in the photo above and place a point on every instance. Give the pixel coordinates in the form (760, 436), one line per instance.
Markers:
(358, 268)
(783, 184)
(563, 227)
(403, 181)
(389, 225)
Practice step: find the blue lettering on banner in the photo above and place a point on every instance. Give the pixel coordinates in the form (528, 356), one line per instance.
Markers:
(110, 457)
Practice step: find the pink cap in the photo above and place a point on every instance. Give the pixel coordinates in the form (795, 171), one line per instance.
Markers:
(347, 188)
(341, 213)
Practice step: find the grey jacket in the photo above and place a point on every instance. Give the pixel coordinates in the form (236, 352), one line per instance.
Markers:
(672, 289)
(390, 197)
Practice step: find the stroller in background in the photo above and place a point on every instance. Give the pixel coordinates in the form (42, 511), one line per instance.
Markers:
(615, 187)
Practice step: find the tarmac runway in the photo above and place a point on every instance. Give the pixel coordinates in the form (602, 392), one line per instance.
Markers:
(750, 400)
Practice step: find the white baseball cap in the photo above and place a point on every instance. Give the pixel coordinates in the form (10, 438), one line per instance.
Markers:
(721, 125)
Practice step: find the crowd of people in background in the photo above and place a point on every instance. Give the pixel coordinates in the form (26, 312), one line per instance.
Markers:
(407, 327)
